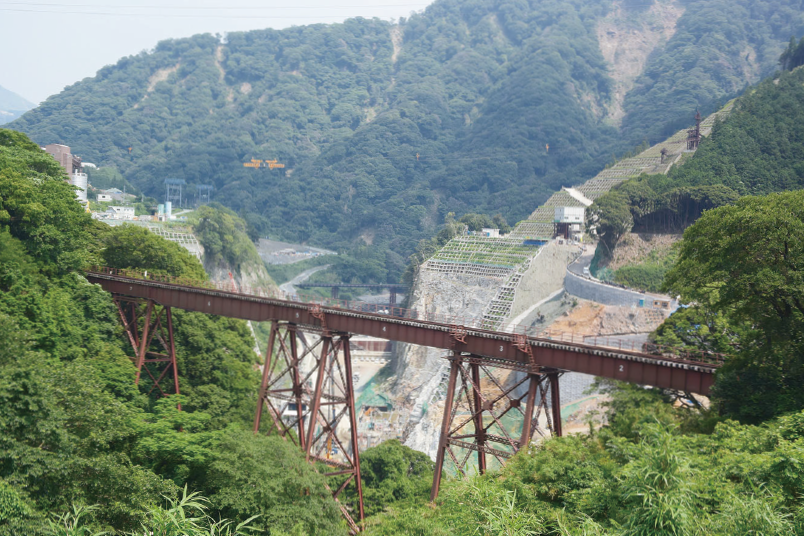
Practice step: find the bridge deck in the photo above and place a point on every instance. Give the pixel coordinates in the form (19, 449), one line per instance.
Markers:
(494, 347)
(395, 286)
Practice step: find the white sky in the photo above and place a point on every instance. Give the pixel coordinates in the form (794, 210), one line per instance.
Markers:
(46, 45)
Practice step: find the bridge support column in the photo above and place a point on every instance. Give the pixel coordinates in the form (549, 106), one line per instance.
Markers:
(151, 339)
(480, 433)
(320, 418)
(555, 403)
(282, 384)
(483, 414)
(445, 424)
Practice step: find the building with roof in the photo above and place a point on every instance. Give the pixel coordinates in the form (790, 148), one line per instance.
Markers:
(120, 213)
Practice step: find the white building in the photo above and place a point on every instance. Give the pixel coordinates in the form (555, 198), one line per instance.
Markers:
(489, 232)
(569, 222)
(104, 198)
(569, 214)
(79, 180)
(120, 213)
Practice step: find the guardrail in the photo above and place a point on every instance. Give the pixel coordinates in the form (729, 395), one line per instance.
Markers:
(464, 322)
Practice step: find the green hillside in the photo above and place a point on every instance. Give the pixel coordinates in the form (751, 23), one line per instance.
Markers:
(756, 151)
(385, 128)
(84, 451)
(74, 429)
(12, 105)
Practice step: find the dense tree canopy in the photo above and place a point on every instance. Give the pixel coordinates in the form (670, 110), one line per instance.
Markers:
(743, 262)
(653, 470)
(74, 429)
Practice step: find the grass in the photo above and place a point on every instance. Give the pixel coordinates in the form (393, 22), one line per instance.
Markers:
(647, 275)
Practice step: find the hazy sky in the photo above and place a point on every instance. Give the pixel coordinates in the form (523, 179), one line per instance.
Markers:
(46, 45)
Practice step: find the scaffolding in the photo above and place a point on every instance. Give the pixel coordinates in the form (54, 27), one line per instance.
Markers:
(185, 239)
(478, 255)
(500, 306)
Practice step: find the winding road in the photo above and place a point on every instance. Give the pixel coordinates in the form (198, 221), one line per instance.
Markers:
(301, 278)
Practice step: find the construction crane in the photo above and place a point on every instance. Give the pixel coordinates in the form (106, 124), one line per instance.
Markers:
(262, 164)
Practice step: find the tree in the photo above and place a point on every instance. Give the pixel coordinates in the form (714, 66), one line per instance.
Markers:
(132, 247)
(38, 207)
(224, 236)
(266, 475)
(610, 217)
(746, 261)
(393, 473)
(793, 56)
(699, 327)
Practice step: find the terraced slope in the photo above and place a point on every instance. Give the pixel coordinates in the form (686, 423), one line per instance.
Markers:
(509, 259)
(540, 222)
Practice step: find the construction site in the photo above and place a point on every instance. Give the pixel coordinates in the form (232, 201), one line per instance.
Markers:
(535, 280)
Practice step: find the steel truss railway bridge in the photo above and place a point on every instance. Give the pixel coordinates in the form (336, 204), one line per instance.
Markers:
(307, 392)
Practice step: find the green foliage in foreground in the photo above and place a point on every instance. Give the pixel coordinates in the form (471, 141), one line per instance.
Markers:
(393, 474)
(744, 264)
(186, 516)
(649, 472)
(74, 429)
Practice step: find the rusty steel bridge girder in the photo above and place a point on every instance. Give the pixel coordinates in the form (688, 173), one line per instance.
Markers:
(497, 348)
(308, 392)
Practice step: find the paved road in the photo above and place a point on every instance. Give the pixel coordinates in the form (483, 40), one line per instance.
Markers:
(301, 278)
(583, 261)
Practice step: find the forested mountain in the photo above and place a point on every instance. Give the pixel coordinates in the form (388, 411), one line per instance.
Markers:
(482, 106)
(12, 105)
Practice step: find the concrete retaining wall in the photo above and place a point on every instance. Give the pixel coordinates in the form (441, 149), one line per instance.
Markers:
(545, 276)
(601, 293)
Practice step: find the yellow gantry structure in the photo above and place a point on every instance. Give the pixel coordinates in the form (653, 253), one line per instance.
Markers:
(261, 164)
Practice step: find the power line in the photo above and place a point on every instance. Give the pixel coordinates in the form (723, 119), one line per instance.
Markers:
(207, 8)
(176, 15)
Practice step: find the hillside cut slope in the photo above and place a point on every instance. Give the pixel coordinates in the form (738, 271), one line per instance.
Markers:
(500, 279)
(384, 128)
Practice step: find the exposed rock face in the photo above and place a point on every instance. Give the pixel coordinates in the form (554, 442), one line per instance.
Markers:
(627, 38)
(421, 372)
(635, 248)
(251, 275)
(419, 369)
